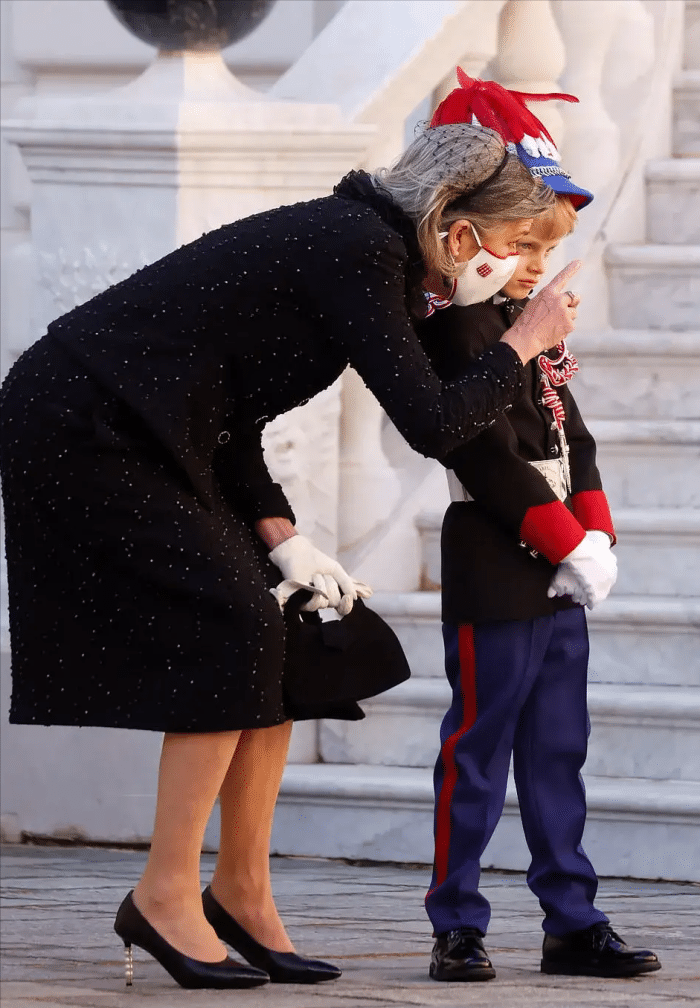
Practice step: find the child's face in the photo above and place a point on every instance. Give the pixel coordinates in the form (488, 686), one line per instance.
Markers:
(533, 259)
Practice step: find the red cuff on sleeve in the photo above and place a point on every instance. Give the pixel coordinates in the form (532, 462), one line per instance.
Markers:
(592, 510)
(552, 530)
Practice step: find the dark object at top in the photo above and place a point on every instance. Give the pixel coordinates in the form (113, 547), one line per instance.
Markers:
(194, 25)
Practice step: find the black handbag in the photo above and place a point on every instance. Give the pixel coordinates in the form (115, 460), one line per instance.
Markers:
(331, 664)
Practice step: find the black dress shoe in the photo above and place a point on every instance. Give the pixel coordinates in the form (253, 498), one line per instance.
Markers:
(595, 951)
(282, 967)
(460, 955)
(133, 929)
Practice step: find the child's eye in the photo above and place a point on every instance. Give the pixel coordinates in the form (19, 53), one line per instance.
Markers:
(525, 246)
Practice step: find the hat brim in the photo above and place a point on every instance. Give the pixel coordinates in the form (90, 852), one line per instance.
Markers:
(553, 175)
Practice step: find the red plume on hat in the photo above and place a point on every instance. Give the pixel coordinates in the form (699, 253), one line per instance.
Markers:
(494, 107)
(505, 112)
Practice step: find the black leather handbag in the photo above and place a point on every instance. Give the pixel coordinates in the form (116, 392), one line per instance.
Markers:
(331, 664)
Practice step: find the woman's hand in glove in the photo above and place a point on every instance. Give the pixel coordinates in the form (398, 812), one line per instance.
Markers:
(304, 566)
(588, 572)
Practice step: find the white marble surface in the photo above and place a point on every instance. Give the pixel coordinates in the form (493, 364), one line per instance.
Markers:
(637, 374)
(661, 655)
(634, 639)
(121, 178)
(651, 474)
(654, 286)
(686, 117)
(637, 731)
(653, 561)
(673, 201)
(635, 828)
(691, 60)
(404, 47)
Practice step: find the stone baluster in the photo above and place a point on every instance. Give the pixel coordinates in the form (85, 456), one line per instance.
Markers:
(591, 148)
(591, 145)
(530, 56)
(370, 488)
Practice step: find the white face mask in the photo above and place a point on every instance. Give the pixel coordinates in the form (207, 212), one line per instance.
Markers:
(484, 275)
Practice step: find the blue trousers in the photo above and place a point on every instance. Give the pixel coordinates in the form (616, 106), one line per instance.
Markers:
(517, 687)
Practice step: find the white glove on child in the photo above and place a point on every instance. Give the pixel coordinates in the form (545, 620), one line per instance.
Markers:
(565, 582)
(304, 566)
(588, 573)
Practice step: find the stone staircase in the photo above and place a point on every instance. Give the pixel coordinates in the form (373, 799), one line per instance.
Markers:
(639, 390)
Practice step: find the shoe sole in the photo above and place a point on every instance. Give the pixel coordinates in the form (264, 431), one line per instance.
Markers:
(561, 969)
(485, 974)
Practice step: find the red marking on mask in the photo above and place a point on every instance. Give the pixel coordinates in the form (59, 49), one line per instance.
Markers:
(484, 270)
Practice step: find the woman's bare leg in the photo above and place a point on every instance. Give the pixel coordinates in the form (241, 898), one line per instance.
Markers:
(192, 769)
(241, 881)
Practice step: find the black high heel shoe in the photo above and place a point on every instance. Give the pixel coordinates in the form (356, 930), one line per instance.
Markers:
(283, 967)
(133, 929)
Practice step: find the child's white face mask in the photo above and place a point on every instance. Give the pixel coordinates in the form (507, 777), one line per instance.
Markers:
(483, 276)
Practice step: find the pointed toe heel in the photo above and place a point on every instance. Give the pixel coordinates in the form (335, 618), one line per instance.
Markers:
(133, 929)
(282, 967)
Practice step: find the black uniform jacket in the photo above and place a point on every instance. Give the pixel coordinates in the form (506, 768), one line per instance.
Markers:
(499, 551)
(257, 317)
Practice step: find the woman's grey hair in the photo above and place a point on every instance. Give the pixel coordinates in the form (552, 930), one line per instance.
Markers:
(433, 179)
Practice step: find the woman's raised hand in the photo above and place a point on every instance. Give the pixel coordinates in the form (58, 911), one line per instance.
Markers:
(548, 318)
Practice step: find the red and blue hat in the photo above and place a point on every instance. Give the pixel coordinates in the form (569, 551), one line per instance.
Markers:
(487, 104)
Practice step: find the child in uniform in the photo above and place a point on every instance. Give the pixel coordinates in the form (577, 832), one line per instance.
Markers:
(525, 543)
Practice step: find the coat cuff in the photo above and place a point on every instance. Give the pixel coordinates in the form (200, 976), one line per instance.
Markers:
(264, 501)
(552, 530)
(593, 512)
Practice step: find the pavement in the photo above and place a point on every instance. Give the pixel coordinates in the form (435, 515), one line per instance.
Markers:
(59, 947)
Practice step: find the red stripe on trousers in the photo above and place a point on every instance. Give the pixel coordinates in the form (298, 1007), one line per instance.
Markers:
(443, 818)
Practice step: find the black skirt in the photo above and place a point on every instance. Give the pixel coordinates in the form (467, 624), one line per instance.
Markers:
(131, 604)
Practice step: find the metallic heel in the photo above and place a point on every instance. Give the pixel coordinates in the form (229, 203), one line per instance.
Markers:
(129, 965)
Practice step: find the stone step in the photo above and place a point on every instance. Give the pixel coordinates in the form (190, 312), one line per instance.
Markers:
(637, 373)
(658, 550)
(673, 201)
(686, 114)
(635, 827)
(637, 731)
(648, 463)
(652, 640)
(646, 640)
(654, 286)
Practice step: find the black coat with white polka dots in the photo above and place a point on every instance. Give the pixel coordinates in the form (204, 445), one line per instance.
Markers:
(138, 589)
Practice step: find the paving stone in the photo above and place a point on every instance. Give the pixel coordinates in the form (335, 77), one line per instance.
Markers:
(59, 948)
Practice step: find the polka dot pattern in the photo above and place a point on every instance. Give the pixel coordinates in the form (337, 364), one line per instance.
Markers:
(138, 589)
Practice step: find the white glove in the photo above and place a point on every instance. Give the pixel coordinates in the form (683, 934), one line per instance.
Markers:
(304, 566)
(565, 582)
(588, 572)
